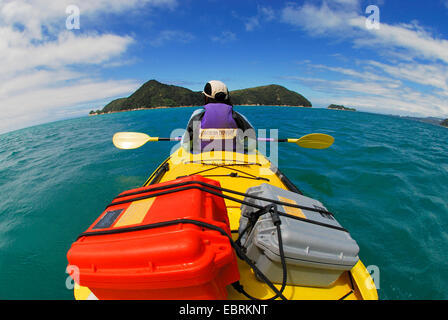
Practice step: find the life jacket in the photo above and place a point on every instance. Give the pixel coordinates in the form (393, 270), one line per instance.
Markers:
(218, 116)
(192, 144)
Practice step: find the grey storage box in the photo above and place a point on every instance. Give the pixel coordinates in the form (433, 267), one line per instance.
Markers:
(317, 249)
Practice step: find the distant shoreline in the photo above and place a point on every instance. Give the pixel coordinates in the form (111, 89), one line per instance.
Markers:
(139, 109)
(166, 107)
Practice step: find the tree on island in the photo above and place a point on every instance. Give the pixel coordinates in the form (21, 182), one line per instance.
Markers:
(340, 107)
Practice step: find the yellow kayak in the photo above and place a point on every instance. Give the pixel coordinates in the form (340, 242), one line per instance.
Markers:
(239, 172)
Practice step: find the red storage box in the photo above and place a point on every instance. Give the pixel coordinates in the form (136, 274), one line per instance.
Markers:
(128, 252)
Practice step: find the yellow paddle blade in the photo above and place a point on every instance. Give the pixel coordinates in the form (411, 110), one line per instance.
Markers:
(130, 140)
(315, 141)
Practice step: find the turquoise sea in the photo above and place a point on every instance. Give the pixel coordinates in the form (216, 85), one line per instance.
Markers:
(385, 178)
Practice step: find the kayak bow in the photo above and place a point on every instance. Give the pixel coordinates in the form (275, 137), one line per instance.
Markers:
(240, 172)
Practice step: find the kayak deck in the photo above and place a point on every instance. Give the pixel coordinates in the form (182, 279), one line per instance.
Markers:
(239, 172)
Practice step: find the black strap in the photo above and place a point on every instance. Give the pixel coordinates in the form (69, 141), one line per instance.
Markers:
(272, 208)
(160, 172)
(188, 185)
(180, 184)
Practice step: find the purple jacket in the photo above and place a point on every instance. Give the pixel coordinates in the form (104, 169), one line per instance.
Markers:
(218, 116)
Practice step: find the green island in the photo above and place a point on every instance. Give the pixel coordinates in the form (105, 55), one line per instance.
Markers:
(444, 123)
(154, 94)
(339, 107)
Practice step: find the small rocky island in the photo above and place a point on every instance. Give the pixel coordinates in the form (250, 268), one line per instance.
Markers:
(154, 94)
(444, 123)
(339, 107)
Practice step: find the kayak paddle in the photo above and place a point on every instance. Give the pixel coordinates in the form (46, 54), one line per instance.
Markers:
(314, 141)
(131, 140)
(134, 140)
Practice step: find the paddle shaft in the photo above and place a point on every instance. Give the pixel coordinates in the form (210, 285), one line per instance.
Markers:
(133, 140)
(259, 139)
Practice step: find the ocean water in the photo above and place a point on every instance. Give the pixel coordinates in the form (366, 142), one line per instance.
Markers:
(385, 178)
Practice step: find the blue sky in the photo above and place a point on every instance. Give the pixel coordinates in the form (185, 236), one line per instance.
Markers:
(322, 49)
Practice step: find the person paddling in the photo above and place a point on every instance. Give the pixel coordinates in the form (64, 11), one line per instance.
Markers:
(217, 113)
(218, 110)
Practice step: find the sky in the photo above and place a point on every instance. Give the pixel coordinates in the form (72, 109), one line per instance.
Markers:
(61, 59)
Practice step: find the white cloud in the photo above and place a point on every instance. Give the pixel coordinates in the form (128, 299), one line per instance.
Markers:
(317, 20)
(55, 102)
(414, 77)
(35, 14)
(39, 71)
(435, 75)
(364, 75)
(345, 22)
(263, 14)
(267, 13)
(224, 37)
(67, 49)
(415, 40)
(252, 23)
(389, 89)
